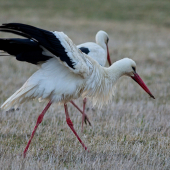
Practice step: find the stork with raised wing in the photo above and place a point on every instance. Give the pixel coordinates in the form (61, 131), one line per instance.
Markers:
(29, 51)
(67, 74)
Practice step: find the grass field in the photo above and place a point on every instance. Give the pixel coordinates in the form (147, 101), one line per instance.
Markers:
(133, 132)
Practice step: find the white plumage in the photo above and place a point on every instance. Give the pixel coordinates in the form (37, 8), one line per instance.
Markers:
(68, 74)
(99, 50)
(56, 81)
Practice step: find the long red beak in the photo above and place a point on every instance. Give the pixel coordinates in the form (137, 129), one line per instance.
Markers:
(137, 78)
(108, 56)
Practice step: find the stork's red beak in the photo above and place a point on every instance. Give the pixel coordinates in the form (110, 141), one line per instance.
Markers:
(108, 56)
(137, 78)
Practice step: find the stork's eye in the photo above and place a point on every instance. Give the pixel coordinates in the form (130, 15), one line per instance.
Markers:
(134, 69)
(107, 40)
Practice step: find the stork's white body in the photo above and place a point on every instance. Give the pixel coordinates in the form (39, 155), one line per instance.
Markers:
(97, 52)
(53, 81)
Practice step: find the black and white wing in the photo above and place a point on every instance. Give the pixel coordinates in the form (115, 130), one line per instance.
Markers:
(54, 44)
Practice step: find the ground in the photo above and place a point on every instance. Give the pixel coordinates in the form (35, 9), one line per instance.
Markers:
(133, 131)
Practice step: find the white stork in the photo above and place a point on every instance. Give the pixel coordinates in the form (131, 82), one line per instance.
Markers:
(21, 48)
(99, 51)
(65, 73)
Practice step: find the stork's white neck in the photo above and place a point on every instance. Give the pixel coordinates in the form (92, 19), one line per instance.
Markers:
(100, 40)
(116, 70)
(102, 44)
(100, 85)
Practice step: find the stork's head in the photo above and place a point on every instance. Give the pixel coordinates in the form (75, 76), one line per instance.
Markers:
(128, 67)
(102, 39)
(102, 36)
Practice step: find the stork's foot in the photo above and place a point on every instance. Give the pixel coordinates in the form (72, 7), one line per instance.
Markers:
(86, 119)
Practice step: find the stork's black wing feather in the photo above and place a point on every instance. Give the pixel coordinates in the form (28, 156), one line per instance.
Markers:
(43, 37)
(24, 50)
(84, 50)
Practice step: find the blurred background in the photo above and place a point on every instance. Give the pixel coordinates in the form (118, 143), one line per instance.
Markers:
(148, 11)
(133, 131)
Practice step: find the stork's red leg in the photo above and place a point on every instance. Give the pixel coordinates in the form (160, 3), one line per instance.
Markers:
(39, 120)
(70, 124)
(85, 116)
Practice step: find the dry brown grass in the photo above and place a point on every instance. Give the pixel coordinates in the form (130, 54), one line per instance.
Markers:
(131, 133)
